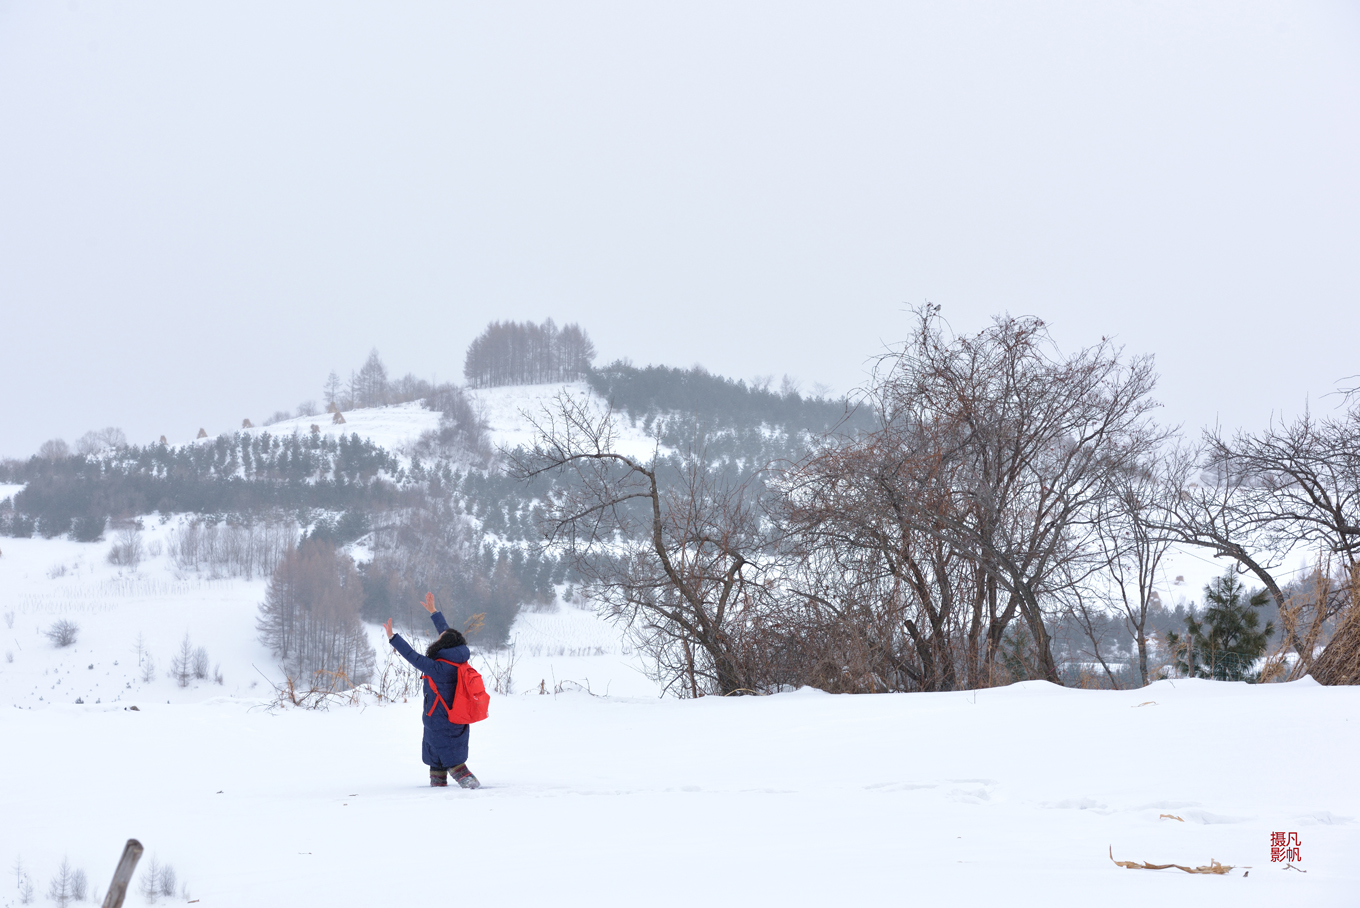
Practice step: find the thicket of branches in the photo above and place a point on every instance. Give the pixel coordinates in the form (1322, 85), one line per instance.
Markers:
(462, 432)
(1004, 519)
(523, 353)
(234, 548)
(674, 551)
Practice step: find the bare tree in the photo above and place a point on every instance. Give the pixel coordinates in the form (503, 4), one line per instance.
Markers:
(1256, 498)
(54, 449)
(182, 665)
(1207, 509)
(1132, 549)
(1003, 452)
(894, 593)
(68, 885)
(672, 549)
(127, 550)
(94, 441)
(310, 616)
(199, 663)
(1302, 482)
(370, 385)
(331, 391)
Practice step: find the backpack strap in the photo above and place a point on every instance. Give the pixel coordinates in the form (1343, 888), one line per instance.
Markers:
(438, 697)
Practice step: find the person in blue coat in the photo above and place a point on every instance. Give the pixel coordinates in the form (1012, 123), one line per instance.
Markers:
(444, 747)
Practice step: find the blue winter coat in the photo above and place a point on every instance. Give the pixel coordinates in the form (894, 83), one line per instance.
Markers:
(444, 744)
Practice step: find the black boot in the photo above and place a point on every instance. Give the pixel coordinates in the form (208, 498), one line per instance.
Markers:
(439, 778)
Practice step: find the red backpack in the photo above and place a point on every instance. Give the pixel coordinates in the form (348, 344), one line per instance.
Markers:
(470, 699)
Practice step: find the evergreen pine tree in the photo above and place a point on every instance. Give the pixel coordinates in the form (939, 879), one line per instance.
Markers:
(1228, 640)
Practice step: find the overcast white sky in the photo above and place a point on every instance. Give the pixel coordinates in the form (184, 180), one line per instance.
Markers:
(206, 207)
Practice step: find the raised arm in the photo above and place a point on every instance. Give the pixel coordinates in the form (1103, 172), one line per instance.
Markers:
(420, 661)
(440, 625)
(424, 663)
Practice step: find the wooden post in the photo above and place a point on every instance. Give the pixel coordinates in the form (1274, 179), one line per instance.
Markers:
(123, 875)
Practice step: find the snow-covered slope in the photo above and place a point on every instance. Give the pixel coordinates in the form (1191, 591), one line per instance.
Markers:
(389, 427)
(133, 622)
(510, 410)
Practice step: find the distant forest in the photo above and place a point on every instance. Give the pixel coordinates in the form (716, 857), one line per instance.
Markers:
(232, 474)
(651, 391)
(523, 353)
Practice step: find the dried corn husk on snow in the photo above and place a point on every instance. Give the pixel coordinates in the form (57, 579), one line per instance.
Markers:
(1212, 867)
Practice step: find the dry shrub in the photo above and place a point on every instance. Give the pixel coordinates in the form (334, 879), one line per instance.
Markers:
(1303, 623)
(321, 691)
(500, 665)
(127, 551)
(1340, 661)
(397, 680)
(63, 633)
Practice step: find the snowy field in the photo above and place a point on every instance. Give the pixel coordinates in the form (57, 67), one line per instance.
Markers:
(1008, 796)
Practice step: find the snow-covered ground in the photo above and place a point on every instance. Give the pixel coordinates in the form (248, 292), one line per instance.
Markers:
(1008, 795)
(508, 411)
(569, 648)
(133, 622)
